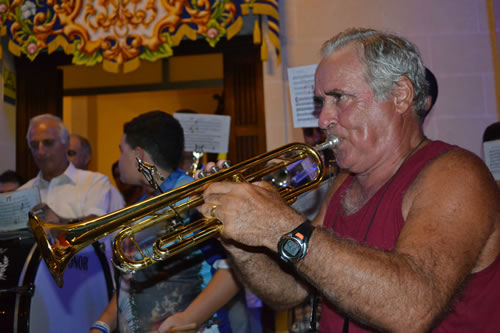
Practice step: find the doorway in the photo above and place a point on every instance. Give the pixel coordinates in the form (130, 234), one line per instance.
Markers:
(241, 86)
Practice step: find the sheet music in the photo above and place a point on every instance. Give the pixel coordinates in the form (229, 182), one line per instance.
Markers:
(492, 157)
(14, 208)
(301, 81)
(206, 133)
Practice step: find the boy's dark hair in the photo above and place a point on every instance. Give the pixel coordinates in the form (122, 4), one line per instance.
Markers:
(159, 134)
(11, 176)
(492, 132)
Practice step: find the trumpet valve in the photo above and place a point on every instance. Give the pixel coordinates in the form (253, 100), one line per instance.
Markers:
(202, 174)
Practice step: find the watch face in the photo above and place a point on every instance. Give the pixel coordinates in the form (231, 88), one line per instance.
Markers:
(291, 248)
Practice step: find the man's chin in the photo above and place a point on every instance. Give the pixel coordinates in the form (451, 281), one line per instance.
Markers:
(46, 168)
(42, 166)
(339, 159)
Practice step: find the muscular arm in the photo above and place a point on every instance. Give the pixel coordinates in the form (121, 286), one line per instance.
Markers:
(268, 280)
(450, 219)
(451, 215)
(262, 271)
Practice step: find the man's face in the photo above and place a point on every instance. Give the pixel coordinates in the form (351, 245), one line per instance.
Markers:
(49, 153)
(344, 98)
(128, 164)
(76, 155)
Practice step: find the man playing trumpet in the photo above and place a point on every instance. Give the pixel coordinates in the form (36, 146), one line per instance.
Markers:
(407, 239)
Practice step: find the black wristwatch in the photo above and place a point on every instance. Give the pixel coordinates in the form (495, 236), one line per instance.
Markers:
(293, 246)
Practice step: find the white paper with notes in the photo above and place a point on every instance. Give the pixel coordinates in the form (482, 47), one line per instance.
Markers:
(205, 132)
(301, 81)
(492, 157)
(15, 206)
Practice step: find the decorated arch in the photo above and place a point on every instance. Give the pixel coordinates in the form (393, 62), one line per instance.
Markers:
(120, 33)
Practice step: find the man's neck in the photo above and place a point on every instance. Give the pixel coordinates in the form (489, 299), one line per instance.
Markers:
(49, 176)
(148, 189)
(367, 184)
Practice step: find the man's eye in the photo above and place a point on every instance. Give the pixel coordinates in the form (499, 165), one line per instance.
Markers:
(318, 105)
(318, 101)
(337, 98)
(48, 143)
(34, 145)
(71, 153)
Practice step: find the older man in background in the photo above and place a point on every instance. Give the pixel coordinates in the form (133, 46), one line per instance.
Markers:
(79, 152)
(67, 195)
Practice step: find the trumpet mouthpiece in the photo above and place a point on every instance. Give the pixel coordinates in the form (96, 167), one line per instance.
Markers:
(331, 141)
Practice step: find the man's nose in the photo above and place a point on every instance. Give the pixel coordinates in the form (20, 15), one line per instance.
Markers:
(328, 116)
(41, 148)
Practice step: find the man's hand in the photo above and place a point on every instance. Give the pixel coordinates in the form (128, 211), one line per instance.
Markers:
(45, 213)
(178, 322)
(252, 214)
(248, 211)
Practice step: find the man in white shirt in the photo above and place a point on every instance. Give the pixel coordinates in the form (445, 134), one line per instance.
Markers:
(67, 195)
(68, 192)
(80, 155)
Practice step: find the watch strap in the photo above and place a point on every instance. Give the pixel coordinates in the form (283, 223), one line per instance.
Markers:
(304, 231)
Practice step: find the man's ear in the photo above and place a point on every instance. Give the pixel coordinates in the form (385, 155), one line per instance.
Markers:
(139, 152)
(402, 94)
(88, 159)
(143, 155)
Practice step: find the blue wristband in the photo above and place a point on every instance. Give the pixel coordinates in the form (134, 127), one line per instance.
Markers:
(101, 326)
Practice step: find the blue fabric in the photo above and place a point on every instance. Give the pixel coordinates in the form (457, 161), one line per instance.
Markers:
(176, 179)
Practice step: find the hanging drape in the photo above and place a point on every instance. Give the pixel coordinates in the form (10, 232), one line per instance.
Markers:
(118, 33)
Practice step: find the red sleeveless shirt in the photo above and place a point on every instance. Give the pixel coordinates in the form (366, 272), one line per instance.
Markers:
(478, 308)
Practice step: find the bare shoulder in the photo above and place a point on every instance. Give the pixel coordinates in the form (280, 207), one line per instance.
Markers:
(458, 171)
(455, 202)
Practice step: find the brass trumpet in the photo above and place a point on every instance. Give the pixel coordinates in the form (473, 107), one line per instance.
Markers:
(59, 243)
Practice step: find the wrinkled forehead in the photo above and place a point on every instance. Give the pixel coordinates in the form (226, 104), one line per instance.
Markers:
(74, 142)
(45, 130)
(340, 70)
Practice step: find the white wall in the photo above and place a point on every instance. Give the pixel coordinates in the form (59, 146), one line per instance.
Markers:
(452, 35)
(453, 38)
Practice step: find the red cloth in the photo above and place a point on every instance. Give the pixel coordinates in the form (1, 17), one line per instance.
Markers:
(478, 308)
